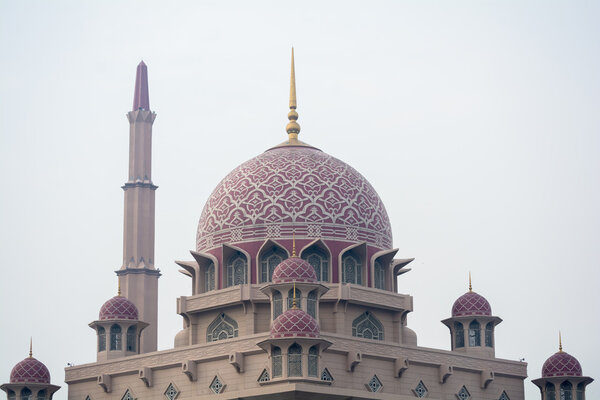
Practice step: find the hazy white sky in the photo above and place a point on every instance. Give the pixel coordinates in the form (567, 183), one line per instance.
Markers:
(476, 121)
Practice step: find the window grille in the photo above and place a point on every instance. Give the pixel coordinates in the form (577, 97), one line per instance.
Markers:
(276, 367)
(269, 261)
(489, 334)
(311, 304)
(277, 304)
(379, 275)
(580, 391)
(216, 385)
(131, 338)
(351, 269)
(295, 360)
(115, 337)
(291, 299)
(367, 326)
(223, 327)
(550, 391)
(463, 394)
(326, 376)
(13, 396)
(459, 335)
(320, 262)
(374, 384)
(474, 334)
(209, 278)
(171, 392)
(101, 339)
(236, 270)
(313, 361)
(26, 394)
(421, 389)
(566, 391)
(41, 395)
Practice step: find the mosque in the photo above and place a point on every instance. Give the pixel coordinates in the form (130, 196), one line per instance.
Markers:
(294, 296)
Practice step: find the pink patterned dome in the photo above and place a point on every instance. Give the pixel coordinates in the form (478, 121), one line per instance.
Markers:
(118, 308)
(294, 323)
(293, 189)
(471, 303)
(561, 364)
(30, 370)
(294, 269)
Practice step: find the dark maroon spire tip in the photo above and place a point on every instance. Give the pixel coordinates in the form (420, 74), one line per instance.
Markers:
(140, 96)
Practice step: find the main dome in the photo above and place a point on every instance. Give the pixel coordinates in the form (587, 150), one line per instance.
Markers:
(293, 190)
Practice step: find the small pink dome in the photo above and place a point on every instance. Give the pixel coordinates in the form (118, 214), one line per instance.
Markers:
(561, 364)
(118, 308)
(30, 370)
(294, 269)
(294, 323)
(471, 303)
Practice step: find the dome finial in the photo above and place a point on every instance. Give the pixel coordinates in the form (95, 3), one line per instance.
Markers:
(118, 287)
(559, 342)
(470, 286)
(30, 347)
(294, 297)
(293, 244)
(292, 128)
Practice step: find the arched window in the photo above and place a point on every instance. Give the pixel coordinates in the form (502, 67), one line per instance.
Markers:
(223, 327)
(474, 334)
(320, 262)
(313, 361)
(277, 304)
(580, 391)
(26, 394)
(131, 338)
(295, 360)
(268, 262)
(566, 391)
(351, 269)
(101, 339)
(276, 362)
(311, 304)
(367, 326)
(550, 391)
(115, 337)
(11, 395)
(291, 299)
(489, 334)
(237, 271)
(41, 395)
(209, 278)
(379, 275)
(459, 335)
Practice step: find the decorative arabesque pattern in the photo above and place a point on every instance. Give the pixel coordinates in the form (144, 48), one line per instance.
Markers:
(367, 326)
(294, 189)
(420, 390)
(374, 384)
(216, 385)
(223, 327)
(171, 392)
(463, 394)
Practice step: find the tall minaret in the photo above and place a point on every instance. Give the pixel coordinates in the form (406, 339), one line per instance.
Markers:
(138, 278)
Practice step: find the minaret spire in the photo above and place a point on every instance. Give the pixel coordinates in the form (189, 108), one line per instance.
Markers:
(292, 128)
(138, 278)
(470, 286)
(30, 347)
(141, 99)
(559, 342)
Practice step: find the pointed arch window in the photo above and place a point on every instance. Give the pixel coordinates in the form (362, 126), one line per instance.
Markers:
(550, 391)
(223, 327)
(474, 334)
(313, 361)
(276, 362)
(11, 395)
(459, 335)
(26, 394)
(291, 299)
(379, 275)
(131, 338)
(41, 395)
(351, 269)
(367, 326)
(320, 262)
(237, 271)
(209, 278)
(268, 262)
(580, 391)
(115, 337)
(566, 391)
(295, 360)
(311, 304)
(489, 334)
(277, 304)
(101, 339)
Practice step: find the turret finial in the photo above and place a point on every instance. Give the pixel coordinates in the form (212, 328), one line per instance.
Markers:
(293, 245)
(141, 99)
(30, 347)
(559, 342)
(470, 286)
(294, 297)
(292, 128)
(118, 287)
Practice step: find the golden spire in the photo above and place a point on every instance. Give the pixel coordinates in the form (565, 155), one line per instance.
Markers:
(292, 128)
(294, 298)
(470, 286)
(30, 347)
(118, 287)
(559, 342)
(293, 245)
